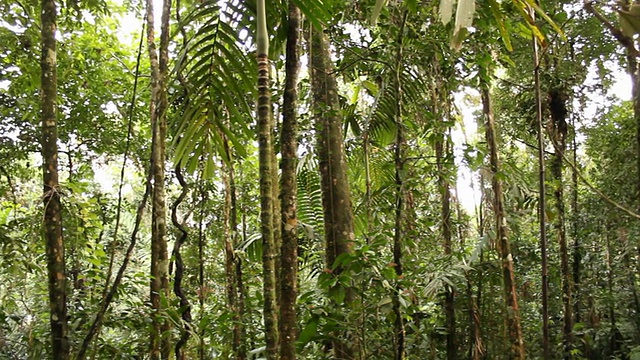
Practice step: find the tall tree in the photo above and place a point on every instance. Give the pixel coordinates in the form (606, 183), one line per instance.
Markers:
(288, 192)
(400, 222)
(558, 109)
(51, 198)
(265, 150)
(336, 201)
(440, 95)
(542, 202)
(516, 348)
(442, 154)
(160, 334)
(233, 266)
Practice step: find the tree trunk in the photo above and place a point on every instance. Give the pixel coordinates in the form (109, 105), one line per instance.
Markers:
(229, 257)
(542, 204)
(439, 96)
(577, 248)
(445, 195)
(399, 228)
(288, 188)
(476, 347)
(558, 109)
(160, 334)
(233, 267)
(51, 197)
(513, 313)
(265, 146)
(201, 264)
(336, 202)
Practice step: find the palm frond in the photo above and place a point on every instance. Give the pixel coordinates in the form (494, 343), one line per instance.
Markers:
(216, 88)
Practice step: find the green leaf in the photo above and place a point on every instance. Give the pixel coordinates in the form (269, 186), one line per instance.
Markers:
(539, 11)
(309, 332)
(499, 17)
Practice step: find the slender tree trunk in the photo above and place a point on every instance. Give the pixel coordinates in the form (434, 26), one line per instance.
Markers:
(201, 263)
(229, 258)
(513, 313)
(476, 347)
(336, 202)
(160, 335)
(614, 338)
(445, 196)
(288, 188)
(558, 116)
(445, 214)
(542, 204)
(265, 144)
(52, 227)
(233, 264)
(577, 248)
(399, 228)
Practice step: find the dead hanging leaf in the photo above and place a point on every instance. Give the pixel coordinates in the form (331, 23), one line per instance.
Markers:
(464, 19)
(464, 13)
(458, 38)
(446, 11)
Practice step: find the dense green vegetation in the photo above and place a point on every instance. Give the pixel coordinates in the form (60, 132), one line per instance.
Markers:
(281, 180)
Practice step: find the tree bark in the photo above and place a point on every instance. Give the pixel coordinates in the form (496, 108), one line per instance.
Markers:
(229, 257)
(542, 203)
(288, 192)
(445, 214)
(558, 108)
(513, 314)
(577, 248)
(202, 292)
(399, 228)
(159, 287)
(265, 148)
(233, 268)
(51, 197)
(336, 202)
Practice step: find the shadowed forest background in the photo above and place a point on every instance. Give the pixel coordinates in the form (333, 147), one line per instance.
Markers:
(319, 179)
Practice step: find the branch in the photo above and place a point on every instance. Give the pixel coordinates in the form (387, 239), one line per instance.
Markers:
(626, 41)
(599, 192)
